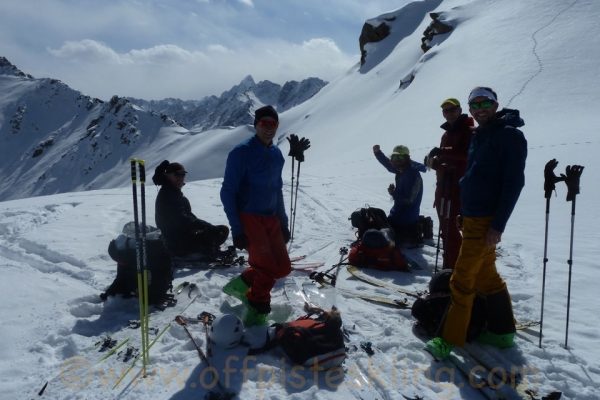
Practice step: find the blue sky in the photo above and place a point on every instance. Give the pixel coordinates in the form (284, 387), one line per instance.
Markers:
(182, 48)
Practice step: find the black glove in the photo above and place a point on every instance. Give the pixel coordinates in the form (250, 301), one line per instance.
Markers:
(550, 178)
(436, 151)
(297, 147)
(240, 241)
(571, 178)
(286, 234)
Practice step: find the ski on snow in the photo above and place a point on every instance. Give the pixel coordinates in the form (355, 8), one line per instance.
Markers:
(358, 274)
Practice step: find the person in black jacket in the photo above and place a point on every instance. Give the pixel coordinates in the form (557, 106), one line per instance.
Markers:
(182, 231)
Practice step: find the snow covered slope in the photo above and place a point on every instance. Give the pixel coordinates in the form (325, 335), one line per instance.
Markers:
(539, 56)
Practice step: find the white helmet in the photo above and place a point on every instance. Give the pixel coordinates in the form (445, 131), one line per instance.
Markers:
(226, 331)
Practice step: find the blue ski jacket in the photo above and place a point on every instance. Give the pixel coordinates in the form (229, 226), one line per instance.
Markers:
(495, 171)
(252, 183)
(408, 192)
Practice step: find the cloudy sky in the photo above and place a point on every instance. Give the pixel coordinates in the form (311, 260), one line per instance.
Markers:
(182, 48)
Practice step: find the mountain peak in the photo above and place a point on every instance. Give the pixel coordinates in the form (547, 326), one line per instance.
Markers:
(8, 68)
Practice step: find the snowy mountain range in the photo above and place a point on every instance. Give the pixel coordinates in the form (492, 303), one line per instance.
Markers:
(235, 106)
(533, 53)
(48, 130)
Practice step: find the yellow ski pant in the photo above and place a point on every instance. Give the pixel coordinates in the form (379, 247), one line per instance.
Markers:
(474, 272)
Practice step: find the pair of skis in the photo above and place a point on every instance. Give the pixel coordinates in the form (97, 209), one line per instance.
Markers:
(141, 253)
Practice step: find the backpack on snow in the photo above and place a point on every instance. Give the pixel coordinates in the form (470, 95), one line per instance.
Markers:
(430, 310)
(314, 341)
(425, 227)
(376, 249)
(122, 250)
(368, 218)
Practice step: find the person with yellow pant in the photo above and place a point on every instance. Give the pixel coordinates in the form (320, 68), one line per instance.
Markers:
(489, 190)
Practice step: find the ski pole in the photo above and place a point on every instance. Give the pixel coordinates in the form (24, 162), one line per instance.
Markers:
(437, 251)
(571, 177)
(447, 235)
(320, 276)
(544, 269)
(292, 197)
(138, 253)
(343, 252)
(145, 278)
(550, 180)
(570, 262)
(295, 203)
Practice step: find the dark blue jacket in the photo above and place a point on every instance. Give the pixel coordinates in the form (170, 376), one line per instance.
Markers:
(252, 183)
(495, 169)
(408, 192)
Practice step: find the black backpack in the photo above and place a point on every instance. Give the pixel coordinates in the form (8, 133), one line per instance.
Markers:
(160, 277)
(425, 227)
(368, 218)
(430, 310)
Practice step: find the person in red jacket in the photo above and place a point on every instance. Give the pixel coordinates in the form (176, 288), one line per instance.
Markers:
(450, 162)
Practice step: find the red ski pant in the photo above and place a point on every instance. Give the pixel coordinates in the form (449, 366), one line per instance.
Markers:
(474, 272)
(267, 256)
(447, 210)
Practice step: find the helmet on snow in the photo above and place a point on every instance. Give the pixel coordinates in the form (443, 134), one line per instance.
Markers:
(226, 331)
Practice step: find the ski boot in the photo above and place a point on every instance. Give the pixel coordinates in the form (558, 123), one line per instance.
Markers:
(439, 348)
(237, 288)
(253, 318)
(501, 341)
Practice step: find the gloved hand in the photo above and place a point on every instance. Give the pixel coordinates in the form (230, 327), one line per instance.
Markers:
(303, 145)
(297, 147)
(240, 241)
(431, 160)
(550, 178)
(571, 178)
(286, 234)
(459, 222)
(436, 151)
(391, 189)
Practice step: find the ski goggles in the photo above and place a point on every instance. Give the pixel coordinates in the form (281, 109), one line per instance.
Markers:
(482, 105)
(179, 174)
(448, 110)
(267, 123)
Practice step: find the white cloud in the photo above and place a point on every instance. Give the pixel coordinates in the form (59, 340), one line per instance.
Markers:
(87, 50)
(172, 71)
(247, 2)
(218, 48)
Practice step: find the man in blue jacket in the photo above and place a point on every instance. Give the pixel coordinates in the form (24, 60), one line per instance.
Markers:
(407, 191)
(489, 192)
(253, 201)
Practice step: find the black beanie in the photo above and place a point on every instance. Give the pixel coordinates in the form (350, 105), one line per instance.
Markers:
(266, 111)
(163, 168)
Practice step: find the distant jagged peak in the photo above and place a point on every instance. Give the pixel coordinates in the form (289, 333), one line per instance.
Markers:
(245, 85)
(8, 68)
(247, 81)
